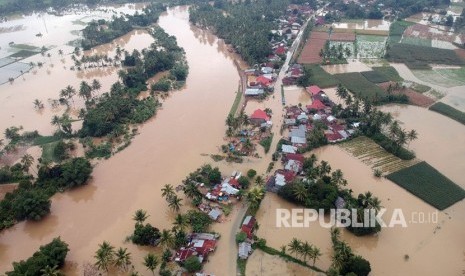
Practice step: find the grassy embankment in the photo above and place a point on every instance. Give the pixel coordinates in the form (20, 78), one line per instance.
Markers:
(449, 111)
(430, 185)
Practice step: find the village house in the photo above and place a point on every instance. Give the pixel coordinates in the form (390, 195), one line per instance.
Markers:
(259, 117)
(245, 249)
(254, 92)
(248, 226)
(199, 245)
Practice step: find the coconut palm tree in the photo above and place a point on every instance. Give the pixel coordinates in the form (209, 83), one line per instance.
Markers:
(335, 235)
(96, 85)
(294, 246)
(325, 168)
(305, 250)
(315, 254)
(85, 90)
(175, 203)
(300, 192)
(140, 216)
(412, 135)
(283, 249)
(180, 222)
(56, 122)
(104, 256)
(70, 92)
(27, 161)
(50, 271)
(190, 190)
(122, 259)
(337, 177)
(259, 180)
(151, 262)
(38, 104)
(255, 196)
(167, 191)
(166, 239)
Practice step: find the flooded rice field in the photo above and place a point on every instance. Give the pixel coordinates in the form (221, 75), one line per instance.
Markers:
(352, 66)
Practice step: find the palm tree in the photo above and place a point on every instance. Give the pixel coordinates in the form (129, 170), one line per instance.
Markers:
(325, 168)
(283, 249)
(166, 239)
(104, 256)
(315, 254)
(300, 191)
(38, 104)
(122, 259)
(151, 262)
(50, 271)
(335, 235)
(412, 135)
(180, 222)
(70, 92)
(255, 196)
(306, 250)
(337, 177)
(56, 122)
(85, 90)
(259, 180)
(175, 203)
(96, 85)
(27, 161)
(140, 216)
(190, 190)
(167, 191)
(294, 246)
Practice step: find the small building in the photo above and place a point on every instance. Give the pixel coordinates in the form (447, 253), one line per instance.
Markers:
(293, 165)
(248, 226)
(267, 70)
(289, 122)
(215, 214)
(245, 249)
(254, 92)
(263, 81)
(316, 105)
(288, 149)
(314, 90)
(259, 117)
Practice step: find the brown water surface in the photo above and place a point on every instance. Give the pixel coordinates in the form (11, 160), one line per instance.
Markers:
(190, 123)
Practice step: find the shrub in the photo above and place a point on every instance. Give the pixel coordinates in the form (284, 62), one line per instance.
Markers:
(192, 264)
(251, 173)
(244, 182)
(145, 234)
(241, 237)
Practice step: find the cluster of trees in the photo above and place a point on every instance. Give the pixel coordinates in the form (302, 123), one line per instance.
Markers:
(304, 249)
(375, 124)
(334, 54)
(355, 10)
(108, 259)
(459, 23)
(102, 31)
(17, 172)
(32, 201)
(46, 261)
(246, 25)
(320, 188)
(174, 202)
(405, 8)
(344, 261)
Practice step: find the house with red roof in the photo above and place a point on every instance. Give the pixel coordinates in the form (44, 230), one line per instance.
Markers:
(316, 105)
(259, 117)
(248, 226)
(314, 90)
(293, 156)
(263, 81)
(196, 247)
(281, 50)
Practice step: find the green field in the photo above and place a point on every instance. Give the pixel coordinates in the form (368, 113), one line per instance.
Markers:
(417, 41)
(322, 78)
(397, 29)
(23, 54)
(442, 77)
(360, 86)
(48, 152)
(427, 183)
(389, 72)
(420, 88)
(420, 57)
(375, 76)
(449, 111)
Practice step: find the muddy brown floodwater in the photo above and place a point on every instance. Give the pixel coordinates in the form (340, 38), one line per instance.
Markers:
(191, 122)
